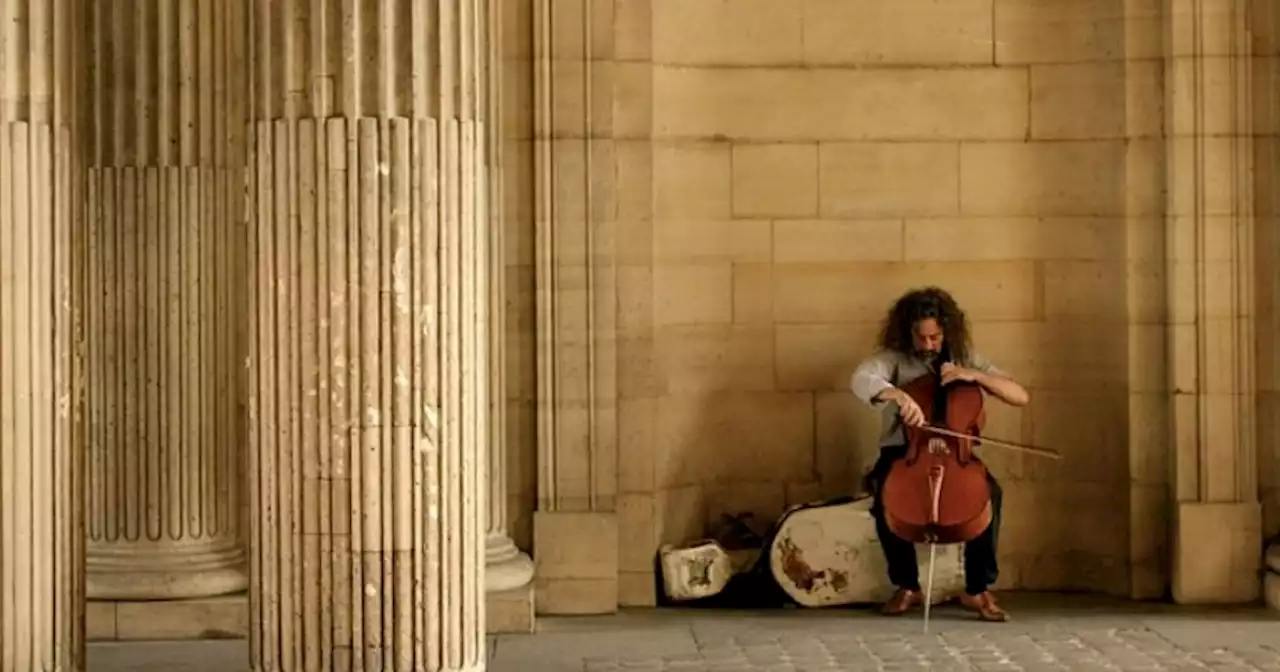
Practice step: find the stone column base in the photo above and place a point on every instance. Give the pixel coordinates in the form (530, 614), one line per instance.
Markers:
(1217, 553)
(508, 583)
(161, 571)
(225, 617)
(510, 611)
(506, 567)
(575, 562)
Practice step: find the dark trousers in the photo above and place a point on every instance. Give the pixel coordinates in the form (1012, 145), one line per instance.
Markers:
(980, 566)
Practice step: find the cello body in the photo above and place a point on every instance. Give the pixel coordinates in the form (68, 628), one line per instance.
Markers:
(938, 492)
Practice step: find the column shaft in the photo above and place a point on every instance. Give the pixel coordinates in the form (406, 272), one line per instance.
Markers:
(164, 202)
(1210, 243)
(41, 502)
(575, 98)
(507, 567)
(370, 365)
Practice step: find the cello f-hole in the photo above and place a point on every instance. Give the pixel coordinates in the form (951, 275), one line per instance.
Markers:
(935, 483)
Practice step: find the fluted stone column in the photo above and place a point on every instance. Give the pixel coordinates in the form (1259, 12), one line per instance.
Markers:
(508, 570)
(164, 196)
(370, 365)
(41, 461)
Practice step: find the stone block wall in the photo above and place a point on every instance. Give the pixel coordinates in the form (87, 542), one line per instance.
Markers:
(811, 161)
(761, 178)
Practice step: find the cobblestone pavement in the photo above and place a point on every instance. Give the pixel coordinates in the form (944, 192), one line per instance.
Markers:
(1047, 633)
(1051, 649)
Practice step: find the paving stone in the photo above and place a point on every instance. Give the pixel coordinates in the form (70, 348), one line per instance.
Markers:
(1122, 638)
(1115, 650)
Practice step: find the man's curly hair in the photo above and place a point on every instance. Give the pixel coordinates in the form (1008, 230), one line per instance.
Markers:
(919, 304)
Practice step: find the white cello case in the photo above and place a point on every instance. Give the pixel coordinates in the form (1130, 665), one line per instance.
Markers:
(826, 554)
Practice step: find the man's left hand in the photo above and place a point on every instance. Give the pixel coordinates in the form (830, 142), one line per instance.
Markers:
(951, 373)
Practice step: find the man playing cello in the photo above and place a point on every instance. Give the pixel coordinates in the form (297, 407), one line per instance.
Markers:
(916, 330)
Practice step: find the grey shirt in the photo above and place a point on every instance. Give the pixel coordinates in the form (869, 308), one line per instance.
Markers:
(886, 369)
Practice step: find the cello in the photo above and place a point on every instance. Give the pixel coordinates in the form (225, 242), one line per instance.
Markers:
(937, 492)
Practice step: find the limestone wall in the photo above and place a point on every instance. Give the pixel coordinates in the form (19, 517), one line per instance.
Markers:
(713, 202)
(765, 177)
(813, 160)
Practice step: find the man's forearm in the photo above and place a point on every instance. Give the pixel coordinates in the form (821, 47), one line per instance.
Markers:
(887, 395)
(869, 387)
(1006, 389)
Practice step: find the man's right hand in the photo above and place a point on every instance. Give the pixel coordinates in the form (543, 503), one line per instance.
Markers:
(908, 409)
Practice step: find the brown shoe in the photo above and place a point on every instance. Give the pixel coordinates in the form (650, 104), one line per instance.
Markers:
(985, 605)
(902, 601)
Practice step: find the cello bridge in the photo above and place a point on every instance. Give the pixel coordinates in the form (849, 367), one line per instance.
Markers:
(937, 446)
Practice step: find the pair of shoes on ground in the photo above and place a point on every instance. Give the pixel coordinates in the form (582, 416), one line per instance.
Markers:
(984, 604)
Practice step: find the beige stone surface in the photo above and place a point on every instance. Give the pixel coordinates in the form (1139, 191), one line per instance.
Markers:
(775, 180)
(751, 32)
(370, 358)
(223, 617)
(1211, 289)
(911, 32)
(508, 569)
(879, 179)
(1022, 153)
(1098, 100)
(1073, 31)
(1058, 631)
(510, 611)
(164, 202)
(840, 104)
(576, 562)
(1215, 553)
(41, 299)
(1081, 179)
(695, 236)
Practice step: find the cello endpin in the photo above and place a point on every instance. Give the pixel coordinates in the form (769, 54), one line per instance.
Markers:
(928, 588)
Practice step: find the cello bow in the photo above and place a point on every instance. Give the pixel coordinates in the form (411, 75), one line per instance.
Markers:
(1042, 452)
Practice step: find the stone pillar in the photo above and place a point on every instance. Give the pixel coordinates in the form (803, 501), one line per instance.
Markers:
(1217, 537)
(576, 523)
(41, 461)
(1266, 105)
(369, 366)
(508, 570)
(164, 204)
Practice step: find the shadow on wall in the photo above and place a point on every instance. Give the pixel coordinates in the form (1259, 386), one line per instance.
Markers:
(1267, 172)
(725, 451)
